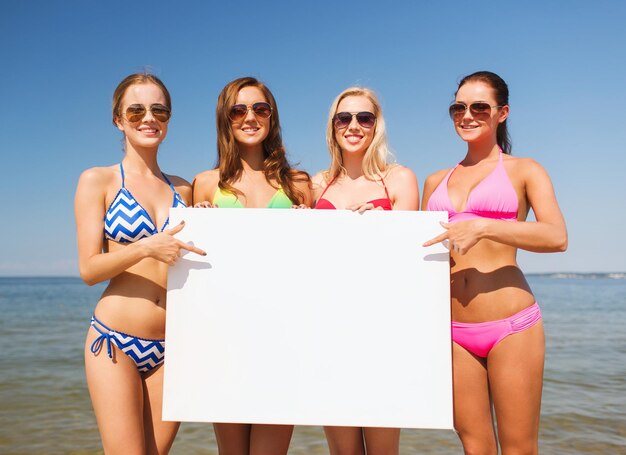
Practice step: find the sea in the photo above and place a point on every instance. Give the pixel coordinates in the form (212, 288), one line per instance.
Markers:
(45, 406)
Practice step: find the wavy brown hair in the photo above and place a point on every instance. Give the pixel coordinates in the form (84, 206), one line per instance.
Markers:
(275, 165)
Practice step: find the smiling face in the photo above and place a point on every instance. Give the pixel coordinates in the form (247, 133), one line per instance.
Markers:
(483, 126)
(250, 131)
(354, 138)
(147, 132)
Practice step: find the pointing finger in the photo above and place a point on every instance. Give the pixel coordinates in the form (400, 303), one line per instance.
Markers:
(176, 229)
(193, 249)
(438, 239)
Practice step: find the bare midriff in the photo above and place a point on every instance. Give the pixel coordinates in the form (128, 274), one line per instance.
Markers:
(134, 301)
(487, 284)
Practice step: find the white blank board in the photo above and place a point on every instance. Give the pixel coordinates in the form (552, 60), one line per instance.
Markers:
(309, 317)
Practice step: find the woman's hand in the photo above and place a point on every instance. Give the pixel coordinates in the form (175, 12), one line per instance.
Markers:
(363, 207)
(166, 248)
(204, 205)
(461, 236)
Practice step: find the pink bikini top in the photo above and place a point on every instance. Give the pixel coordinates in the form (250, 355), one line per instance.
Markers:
(494, 197)
(384, 203)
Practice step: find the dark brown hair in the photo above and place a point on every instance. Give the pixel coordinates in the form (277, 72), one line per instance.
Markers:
(275, 164)
(502, 98)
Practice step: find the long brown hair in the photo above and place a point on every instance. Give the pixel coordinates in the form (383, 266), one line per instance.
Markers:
(275, 165)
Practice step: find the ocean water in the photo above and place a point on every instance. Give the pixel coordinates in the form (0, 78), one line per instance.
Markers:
(45, 407)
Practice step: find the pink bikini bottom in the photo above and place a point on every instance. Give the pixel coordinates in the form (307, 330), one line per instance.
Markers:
(480, 337)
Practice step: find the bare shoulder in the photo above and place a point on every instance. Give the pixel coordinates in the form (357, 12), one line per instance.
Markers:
(99, 176)
(204, 185)
(524, 167)
(436, 178)
(400, 174)
(210, 177)
(183, 187)
(178, 181)
(319, 179)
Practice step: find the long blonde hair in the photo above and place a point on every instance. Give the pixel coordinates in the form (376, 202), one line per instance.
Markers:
(377, 156)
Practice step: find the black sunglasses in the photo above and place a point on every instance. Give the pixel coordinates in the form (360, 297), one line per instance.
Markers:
(136, 112)
(478, 108)
(341, 120)
(239, 111)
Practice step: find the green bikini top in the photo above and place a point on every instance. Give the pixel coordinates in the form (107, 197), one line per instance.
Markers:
(228, 200)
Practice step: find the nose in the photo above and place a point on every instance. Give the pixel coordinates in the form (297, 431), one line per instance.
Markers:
(467, 114)
(249, 115)
(148, 117)
(354, 124)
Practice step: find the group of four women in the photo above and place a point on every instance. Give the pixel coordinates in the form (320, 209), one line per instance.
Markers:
(124, 237)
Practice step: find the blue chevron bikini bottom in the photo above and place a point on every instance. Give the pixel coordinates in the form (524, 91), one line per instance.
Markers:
(147, 354)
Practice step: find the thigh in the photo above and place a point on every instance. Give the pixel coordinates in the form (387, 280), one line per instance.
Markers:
(270, 439)
(382, 441)
(232, 438)
(345, 440)
(159, 435)
(472, 404)
(516, 378)
(116, 392)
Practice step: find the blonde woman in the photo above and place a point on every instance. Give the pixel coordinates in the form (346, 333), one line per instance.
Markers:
(360, 178)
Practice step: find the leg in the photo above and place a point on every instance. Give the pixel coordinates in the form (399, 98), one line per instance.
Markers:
(345, 440)
(270, 439)
(472, 404)
(516, 378)
(382, 441)
(232, 438)
(115, 387)
(159, 435)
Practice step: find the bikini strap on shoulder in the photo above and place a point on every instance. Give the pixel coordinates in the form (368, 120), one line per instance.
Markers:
(168, 181)
(385, 187)
(122, 172)
(327, 186)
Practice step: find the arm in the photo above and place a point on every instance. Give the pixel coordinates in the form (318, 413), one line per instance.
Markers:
(203, 188)
(547, 234)
(403, 188)
(305, 186)
(96, 266)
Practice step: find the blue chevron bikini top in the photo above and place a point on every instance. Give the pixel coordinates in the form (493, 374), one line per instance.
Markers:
(126, 221)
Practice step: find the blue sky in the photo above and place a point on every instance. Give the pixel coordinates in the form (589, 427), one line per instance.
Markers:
(565, 63)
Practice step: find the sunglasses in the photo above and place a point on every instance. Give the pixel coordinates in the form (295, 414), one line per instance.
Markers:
(136, 112)
(478, 108)
(341, 120)
(239, 111)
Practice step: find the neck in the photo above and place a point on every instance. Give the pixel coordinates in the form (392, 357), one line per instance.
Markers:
(142, 160)
(479, 151)
(252, 158)
(353, 164)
